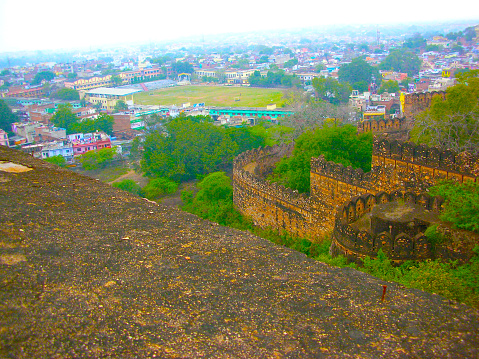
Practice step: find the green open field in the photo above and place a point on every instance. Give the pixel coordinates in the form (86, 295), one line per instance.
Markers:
(223, 96)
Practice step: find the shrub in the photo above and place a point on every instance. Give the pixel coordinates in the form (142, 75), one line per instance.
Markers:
(158, 187)
(129, 186)
(57, 160)
(461, 205)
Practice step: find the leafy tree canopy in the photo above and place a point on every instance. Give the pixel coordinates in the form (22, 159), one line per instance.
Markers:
(103, 123)
(389, 86)
(121, 106)
(129, 186)
(64, 117)
(182, 67)
(272, 79)
(461, 205)
(452, 123)
(214, 201)
(66, 94)
(339, 144)
(359, 74)
(94, 160)
(401, 61)
(56, 160)
(43, 75)
(330, 90)
(416, 42)
(187, 149)
(7, 117)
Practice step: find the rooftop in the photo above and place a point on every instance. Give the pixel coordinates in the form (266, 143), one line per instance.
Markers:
(112, 91)
(87, 270)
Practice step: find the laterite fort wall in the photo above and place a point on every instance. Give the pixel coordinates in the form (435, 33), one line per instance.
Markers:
(410, 244)
(417, 102)
(396, 166)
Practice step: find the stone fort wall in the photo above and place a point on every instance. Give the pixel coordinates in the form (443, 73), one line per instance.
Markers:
(407, 243)
(419, 101)
(396, 166)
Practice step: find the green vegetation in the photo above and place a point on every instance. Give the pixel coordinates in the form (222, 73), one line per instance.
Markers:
(121, 106)
(359, 74)
(461, 206)
(223, 96)
(214, 201)
(66, 94)
(330, 90)
(274, 79)
(158, 187)
(401, 61)
(94, 160)
(339, 144)
(449, 279)
(56, 160)
(43, 76)
(65, 118)
(452, 123)
(7, 117)
(189, 148)
(416, 42)
(390, 86)
(182, 67)
(129, 186)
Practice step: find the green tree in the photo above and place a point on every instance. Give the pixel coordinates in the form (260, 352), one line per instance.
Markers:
(452, 123)
(158, 187)
(121, 106)
(43, 75)
(64, 117)
(401, 61)
(359, 74)
(93, 160)
(129, 186)
(188, 148)
(330, 90)
(290, 63)
(416, 42)
(7, 117)
(461, 205)
(117, 81)
(66, 94)
(182, 67)
(214, 201)
(56, 160)
(390, 86)
(103, 123)
(339, 144)
(246, 138)
(72, 75)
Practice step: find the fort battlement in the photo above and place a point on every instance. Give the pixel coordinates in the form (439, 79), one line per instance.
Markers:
(397, 228)
(389, 125)
(396, 166)
(419, 101)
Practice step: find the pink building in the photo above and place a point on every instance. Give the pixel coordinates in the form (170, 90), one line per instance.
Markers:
(3, 138)
(83, 143)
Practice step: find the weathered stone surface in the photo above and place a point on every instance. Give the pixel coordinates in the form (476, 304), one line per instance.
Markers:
(90, 271)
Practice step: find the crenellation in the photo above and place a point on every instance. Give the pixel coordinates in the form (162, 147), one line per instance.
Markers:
(400, 170)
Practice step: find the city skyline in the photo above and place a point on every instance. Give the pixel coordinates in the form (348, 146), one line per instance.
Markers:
(54, 25)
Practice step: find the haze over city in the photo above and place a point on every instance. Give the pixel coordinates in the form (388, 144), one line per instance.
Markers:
(54, 25)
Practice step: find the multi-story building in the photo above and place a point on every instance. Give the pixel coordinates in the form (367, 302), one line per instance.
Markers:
(83, 143)
(90, 83)
(25, 92)
(60, 148)
(108, 97)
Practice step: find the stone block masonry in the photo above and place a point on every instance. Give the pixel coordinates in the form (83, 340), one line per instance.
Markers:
(396, 166)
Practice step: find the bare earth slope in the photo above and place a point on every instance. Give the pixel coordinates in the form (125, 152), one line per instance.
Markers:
(87, 270)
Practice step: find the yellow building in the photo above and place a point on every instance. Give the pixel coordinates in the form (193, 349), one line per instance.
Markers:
(89, 83)
(108, 97)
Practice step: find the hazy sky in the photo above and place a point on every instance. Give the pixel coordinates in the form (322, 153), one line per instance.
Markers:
(55, 24)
